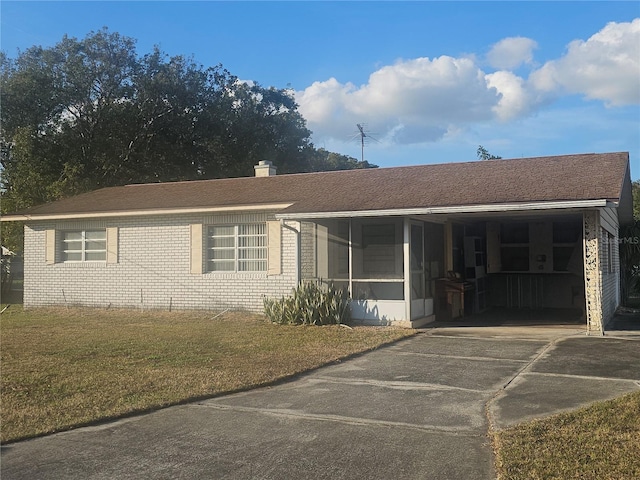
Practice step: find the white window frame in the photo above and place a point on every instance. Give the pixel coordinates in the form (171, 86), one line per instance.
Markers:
(84, 250)
(242, 258)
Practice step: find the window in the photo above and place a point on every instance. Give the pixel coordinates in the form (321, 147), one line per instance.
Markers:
(332, 250)
(378, 249)
(84, 246)
(607, 251)
(237, 248)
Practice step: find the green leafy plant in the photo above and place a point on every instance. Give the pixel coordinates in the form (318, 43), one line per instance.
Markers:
(311, 303)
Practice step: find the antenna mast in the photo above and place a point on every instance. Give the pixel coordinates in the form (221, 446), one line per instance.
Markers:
(362, 137)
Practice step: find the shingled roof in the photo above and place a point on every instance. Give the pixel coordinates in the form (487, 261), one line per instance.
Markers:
(567, 178)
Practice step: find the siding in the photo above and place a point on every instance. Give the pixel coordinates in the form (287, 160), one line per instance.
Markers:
(610, 277)
(153, 268)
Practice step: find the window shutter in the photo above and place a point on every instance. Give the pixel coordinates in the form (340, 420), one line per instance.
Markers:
(196, 248)
(112, 245)
(274, 248)
(50, 247)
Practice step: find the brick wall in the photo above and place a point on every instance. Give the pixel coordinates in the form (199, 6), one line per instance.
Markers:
(308, 251)
(153, 268)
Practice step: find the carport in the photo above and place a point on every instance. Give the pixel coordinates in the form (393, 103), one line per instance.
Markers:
(517, 268)
(534, 241)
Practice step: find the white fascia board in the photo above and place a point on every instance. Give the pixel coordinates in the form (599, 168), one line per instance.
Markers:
(490, 208)
(143, 213)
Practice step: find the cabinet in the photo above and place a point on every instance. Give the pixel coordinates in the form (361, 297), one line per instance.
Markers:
(533, 247)
(514, 247)
(540, 246)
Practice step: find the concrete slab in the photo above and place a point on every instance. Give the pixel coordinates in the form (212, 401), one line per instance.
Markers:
(490, 347)
(481, 374)
(535, 395)
(196, 442)
(538, 332)
(593, 357)
(360, 400)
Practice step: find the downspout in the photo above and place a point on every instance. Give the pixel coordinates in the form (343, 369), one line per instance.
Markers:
(298, 249)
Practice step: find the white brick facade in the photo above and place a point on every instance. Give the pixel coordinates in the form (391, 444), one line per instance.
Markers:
(153, 267)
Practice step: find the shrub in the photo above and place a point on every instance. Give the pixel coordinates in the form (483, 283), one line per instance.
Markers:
(311, 303)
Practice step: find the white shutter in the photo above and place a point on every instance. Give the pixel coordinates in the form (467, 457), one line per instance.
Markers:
(274, 256)
(50, 247)
(196, 248)
(112, 245)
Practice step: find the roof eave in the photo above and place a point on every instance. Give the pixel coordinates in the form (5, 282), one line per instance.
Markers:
(490, 208)
(142, 213)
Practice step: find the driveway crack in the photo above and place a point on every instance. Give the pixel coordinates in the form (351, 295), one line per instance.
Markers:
(525, 369)
(285, 412)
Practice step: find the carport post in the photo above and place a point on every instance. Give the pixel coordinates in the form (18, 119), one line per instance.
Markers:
(592, 274)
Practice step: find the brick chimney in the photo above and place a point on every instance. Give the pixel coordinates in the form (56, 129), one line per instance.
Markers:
(265, 169)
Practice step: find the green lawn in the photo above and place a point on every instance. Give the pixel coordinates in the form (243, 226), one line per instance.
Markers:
(63, 368)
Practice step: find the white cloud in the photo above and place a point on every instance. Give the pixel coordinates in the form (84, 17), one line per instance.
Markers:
(605, 67)
(411, 101)
(324, 102)
(423, 100)
(515, 100)
(510, 53)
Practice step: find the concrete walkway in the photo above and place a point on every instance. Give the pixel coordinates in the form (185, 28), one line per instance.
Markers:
(419, 409)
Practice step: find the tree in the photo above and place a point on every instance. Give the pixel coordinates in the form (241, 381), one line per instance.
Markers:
(322, 160)
(92, 113)
(483, 154)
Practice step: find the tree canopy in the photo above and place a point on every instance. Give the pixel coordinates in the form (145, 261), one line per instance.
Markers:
(483, 154)
(92, 113)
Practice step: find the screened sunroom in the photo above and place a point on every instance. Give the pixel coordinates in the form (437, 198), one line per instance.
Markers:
(388, 264)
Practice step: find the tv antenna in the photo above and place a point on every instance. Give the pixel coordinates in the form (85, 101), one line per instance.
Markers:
(364, 135)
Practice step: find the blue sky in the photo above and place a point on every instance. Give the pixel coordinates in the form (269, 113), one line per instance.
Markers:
(430, 80)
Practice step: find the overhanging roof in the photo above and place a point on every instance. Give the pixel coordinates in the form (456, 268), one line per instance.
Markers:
(570, 180)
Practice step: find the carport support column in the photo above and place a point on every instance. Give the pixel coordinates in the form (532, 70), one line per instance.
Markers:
(448, 247)
(592, 277)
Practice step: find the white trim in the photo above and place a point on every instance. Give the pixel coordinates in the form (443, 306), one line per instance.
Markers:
(499, 207)
(50, 246)
(196, 241)
(112, 245)
(135, 213)
(406, 253)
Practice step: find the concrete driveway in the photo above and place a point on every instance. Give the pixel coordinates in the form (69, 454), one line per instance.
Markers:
(419, 409)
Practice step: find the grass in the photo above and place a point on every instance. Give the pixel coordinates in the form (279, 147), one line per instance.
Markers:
(64, 368)
(599, 442)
